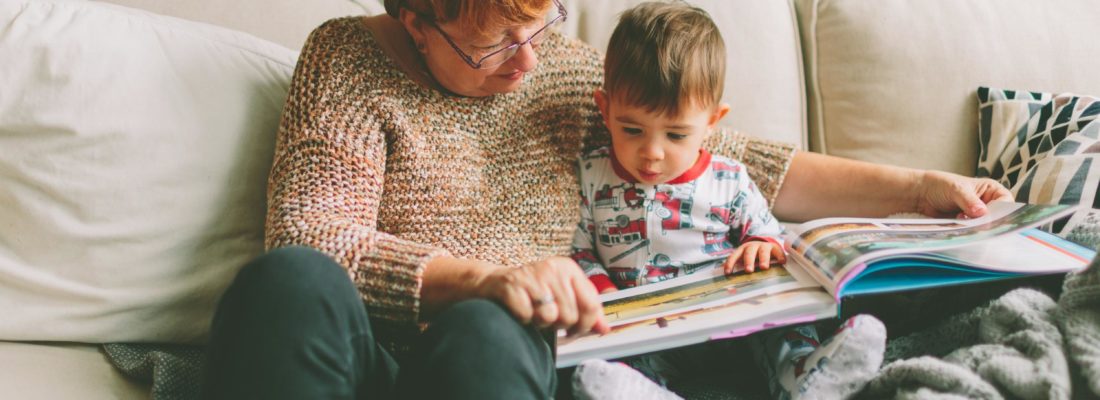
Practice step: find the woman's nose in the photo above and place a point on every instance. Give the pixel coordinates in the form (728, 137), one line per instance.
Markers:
(525, 58)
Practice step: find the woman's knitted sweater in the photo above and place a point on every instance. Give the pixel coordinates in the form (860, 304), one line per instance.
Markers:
(383, 174)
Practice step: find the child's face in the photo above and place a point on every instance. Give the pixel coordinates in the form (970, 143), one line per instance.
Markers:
(656, 148)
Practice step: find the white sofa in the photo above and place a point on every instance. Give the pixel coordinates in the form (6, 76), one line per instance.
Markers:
(134, 146)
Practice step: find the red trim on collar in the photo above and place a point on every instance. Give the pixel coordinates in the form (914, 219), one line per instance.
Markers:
(701, 165)
(692, 173)
(619, 170)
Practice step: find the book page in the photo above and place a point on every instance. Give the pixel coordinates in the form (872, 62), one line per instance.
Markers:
(702, 289)
(1030, 252)
(706, 305)
(699, 325)
(836, 249)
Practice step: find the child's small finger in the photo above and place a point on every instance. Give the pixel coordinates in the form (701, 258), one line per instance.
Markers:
(731, 261)
(780, 257)
(750, 260)
(765, 257)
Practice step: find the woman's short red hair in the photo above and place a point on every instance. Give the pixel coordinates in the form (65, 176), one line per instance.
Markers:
(475, 16)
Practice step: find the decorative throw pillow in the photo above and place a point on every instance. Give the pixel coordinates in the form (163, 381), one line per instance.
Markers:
(1004, 117)
(134, 154)
(1046, 149)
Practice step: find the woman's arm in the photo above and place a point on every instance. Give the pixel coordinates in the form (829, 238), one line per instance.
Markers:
(325, 188)
(817, 186)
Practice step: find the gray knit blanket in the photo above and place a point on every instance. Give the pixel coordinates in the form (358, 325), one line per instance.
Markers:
(1023, 345)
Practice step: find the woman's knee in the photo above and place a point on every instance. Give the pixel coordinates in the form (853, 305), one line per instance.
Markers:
(513, 360)
(299, 273)
(482, 320)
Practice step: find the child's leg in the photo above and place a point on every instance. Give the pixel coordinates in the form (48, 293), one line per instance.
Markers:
(799, 368)
(596, 379)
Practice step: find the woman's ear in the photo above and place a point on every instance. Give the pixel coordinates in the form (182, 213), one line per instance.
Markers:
(604, 103)
(414, 27)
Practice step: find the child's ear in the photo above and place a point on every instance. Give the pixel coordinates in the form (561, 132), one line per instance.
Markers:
(604, 103)
(719, 112)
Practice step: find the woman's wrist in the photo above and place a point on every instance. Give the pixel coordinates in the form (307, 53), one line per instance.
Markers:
(448, 280)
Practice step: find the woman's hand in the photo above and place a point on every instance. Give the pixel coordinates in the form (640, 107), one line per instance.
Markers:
(943, 194)
(549, 293)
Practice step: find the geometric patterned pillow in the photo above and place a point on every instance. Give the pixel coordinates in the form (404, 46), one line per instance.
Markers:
(1006, 128)
(1046, 149)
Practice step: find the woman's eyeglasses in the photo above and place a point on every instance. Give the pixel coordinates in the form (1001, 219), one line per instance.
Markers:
(497, 57)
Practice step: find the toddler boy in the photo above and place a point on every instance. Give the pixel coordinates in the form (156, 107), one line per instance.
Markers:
(656, 205)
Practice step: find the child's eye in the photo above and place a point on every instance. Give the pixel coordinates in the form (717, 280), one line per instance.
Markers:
(632, 131)
(676, 136)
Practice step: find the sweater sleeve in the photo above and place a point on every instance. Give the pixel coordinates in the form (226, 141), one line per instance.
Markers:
(327, 179)
(756, 221)
(767, 160)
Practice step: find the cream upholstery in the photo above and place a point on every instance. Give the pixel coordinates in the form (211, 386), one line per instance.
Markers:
(765, 94)
(894, 81)
(763, 71)
(55, 371)
(134, 152)
(286, 22)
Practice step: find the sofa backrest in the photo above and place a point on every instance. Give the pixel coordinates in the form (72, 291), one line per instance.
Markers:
(890, 81)
(895, 81)
(764, 69)
(286, 22)
(764, 78)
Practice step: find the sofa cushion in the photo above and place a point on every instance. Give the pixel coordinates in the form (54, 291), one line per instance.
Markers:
(764, 83)
(1003, 117)
(1046, 149)
(893, 80)
(36, 371)
(287, 22)
(134, 151)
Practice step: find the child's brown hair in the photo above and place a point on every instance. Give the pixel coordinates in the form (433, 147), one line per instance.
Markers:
(664, 56)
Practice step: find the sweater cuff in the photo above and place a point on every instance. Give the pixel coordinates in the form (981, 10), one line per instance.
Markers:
(390, 274)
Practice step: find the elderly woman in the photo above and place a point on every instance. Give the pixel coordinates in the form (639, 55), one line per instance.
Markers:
(424, 176)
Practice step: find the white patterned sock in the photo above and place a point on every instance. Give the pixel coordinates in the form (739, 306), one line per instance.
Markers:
(842, 365)
(601, 380)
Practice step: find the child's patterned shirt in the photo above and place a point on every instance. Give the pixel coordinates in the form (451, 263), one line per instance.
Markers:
(634, 233)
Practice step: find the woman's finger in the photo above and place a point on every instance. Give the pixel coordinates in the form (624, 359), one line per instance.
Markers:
(543, 300)
(567, 302)
(513, 297)
(558, 274)
(589, 310)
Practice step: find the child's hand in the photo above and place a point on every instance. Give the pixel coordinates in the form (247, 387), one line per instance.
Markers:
(754, 253)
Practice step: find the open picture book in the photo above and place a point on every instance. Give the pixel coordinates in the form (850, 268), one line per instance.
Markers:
(829, 260)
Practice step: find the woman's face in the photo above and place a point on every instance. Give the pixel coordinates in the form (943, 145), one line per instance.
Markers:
(453, 73)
